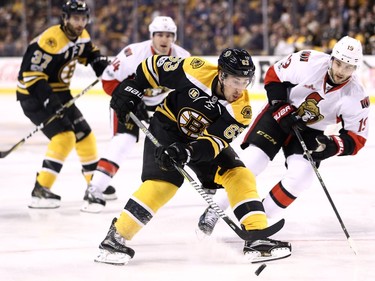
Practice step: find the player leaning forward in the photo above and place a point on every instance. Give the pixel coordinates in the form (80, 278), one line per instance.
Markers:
(311, 90)
(44, 79)
(207, 109)
(163, 34)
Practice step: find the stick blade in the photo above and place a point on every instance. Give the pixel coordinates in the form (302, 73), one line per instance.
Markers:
(250, 235)
(5, 153)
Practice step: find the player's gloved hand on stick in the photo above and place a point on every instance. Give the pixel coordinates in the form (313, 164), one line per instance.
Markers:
(176, 154)
(99, 64)
(142, 113)
(53, 105)
(286, 116)
(122, 103)
(328, 146)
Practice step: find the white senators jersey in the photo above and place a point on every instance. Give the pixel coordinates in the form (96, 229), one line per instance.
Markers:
(318, 103)
(125, 65)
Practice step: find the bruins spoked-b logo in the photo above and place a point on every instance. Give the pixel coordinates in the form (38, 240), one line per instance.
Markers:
(192, 123)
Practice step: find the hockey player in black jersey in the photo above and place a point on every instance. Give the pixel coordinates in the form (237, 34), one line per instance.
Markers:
(43, 87)
(208, 107)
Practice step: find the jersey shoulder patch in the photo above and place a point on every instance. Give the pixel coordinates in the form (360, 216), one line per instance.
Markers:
(53, 40)
(241, 109)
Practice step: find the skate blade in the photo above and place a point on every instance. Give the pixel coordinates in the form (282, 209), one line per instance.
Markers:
(107, 257)
(277, 254)
(43, 203)
(110, 197)
(200, 234)
(93, 208)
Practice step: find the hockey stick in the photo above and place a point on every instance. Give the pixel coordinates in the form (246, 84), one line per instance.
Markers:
(311, 160)
(48, 120)
(243, 234)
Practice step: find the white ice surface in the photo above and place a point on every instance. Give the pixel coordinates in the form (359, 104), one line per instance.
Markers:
(60, 244)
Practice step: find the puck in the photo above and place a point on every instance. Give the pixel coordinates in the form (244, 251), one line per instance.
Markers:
(260, 269)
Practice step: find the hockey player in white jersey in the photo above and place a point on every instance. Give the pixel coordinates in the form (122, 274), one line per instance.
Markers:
(163, 33)
(310, 90)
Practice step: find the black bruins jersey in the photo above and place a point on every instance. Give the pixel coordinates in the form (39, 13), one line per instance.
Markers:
(52, 57)
(199, 113)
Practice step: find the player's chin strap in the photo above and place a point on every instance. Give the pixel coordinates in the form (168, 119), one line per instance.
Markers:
(48, 120)
(312, 162)
(243, 234)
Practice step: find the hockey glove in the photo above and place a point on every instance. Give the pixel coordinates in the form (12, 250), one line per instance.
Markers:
(99, 64)
(328, 146)
(53, 105)
(122, 103)
(176, 154)
(286, 116)
(141, 112)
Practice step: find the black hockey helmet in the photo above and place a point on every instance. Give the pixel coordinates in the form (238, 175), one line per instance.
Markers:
(75, 7)
(237, 62)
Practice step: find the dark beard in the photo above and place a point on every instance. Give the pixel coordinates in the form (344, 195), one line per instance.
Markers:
(70, 32)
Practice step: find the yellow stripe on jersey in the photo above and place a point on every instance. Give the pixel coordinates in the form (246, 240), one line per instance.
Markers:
(31, 77)
(54, 40)
(241, 109)
(166, 111)
(200, 72)
(150, 71)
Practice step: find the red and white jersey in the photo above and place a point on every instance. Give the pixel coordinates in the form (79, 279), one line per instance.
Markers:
(125, 65)
(318, 102)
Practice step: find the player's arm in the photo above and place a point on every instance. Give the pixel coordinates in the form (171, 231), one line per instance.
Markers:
(352, 137)
(92, 55)
(215, 138)
(278, 82)
(121, 68)
(37, 66)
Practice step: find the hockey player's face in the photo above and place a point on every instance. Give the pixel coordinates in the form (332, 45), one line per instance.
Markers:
(340, 71)
(162, 42)
(234, 86)
(75, 25)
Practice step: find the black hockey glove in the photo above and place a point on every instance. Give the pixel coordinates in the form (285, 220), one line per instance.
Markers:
(142, 113)
(286, 116)
(328, 146)
(122, 103)
(99, 64)
(176, 154)
(53, 105)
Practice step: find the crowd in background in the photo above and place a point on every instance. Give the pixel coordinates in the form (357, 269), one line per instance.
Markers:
(206, 27)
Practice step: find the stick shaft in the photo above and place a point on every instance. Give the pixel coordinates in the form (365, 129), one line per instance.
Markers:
(5, 153)
(245, 235)
(312, 162)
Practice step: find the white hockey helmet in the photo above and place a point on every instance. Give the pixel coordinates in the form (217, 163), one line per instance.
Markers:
(163, 24)
(348, 50)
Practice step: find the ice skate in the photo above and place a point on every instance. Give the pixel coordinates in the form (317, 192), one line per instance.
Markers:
(113, 249)
(43, 198)
(207, 221)
(266, 250)
(110, 193)
(94, 202)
